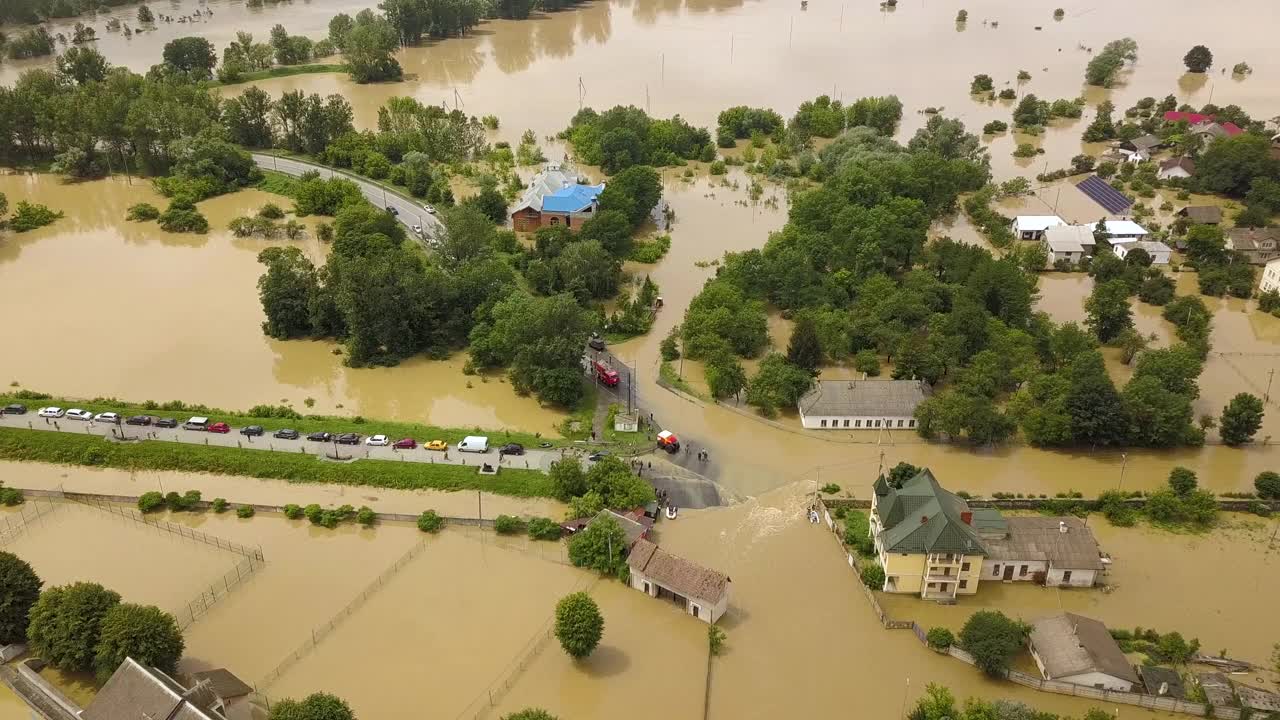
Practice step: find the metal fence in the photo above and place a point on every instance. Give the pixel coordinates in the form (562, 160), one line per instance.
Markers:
(320, 632)
(17, 523)
(199, 607)
(179, 530)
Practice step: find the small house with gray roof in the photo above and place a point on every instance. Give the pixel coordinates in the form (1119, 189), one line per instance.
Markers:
(862, 404)
(1076, 649)
(930, 542)
(136, 691)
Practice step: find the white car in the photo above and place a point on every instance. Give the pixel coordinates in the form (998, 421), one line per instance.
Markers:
(50, 412)
(107, 417)
(78, 414)
(430, 210)
(417, 230)
(378, 440)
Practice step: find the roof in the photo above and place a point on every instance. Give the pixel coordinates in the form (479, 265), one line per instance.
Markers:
(890, 398)
(1036, 223)
(1202, 214)
(552, 178)
(631, 526)
(922, 517)
(677, 574)
(1248, 238)
(1192, 118)
(1185, 163)
(1100, 192)
(1151, 246)
(1124, 227)
(223, 683)
(1146, 142)
(1064, 246)
(573, 198)
(1042, 539)
(1082, 234)
(1217, 688)
(1153, 677)
(136, 691)
(1070, 644)
(1257, 699)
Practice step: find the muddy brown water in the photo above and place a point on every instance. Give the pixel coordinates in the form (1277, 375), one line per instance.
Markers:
(11, 708)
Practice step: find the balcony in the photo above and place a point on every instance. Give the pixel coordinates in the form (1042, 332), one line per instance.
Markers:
(941, 575)
(945, 559)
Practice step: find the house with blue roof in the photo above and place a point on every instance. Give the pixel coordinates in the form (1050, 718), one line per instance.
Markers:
(555, 197)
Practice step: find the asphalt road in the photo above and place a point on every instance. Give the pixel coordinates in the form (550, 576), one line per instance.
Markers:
(535, 459)
(410, 211)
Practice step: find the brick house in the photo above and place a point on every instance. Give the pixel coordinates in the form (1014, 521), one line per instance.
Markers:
(555, 197)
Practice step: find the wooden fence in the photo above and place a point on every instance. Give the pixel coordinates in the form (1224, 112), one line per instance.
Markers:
(1154, 702)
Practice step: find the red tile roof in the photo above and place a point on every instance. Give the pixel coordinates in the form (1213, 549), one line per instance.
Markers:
(1232, 128)
(1192, 118)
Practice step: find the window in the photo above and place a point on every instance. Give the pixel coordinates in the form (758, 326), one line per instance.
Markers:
(995, 569)
(695, 609)
(964, 567)
(911, 423)
(846, 422)
(1023, 571)
(1066, 576)
(877, 423)
(899, 423)
(857, 423)
(648, 589)
(555, 221)
(964, 584)
(824, 423)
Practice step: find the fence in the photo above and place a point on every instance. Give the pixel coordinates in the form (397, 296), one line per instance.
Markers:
(114, 508)
(320, 632)
(15, 525)
(199, 607)
(1154, 702)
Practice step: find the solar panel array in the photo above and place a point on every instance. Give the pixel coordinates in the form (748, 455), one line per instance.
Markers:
(1108, 197)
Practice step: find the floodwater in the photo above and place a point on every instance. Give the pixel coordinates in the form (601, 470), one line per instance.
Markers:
(11, 708)
(1151, 565)
(123, 309)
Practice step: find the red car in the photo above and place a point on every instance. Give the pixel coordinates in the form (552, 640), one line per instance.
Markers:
(219, 427)
(405, 444)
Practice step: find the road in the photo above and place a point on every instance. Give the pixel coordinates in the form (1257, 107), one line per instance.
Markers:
(534, 458)
(410, 211)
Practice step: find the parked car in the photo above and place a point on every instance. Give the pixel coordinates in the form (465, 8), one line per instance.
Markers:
(596, 342)
(417, 230)
(139, 420)
(474, 444)
(219, 427)
(598, 456)
(349, 439)
(511, 449)
(196, 423)
(377, 440)
(406, 444)
(50, 412)
(391, 210)
(252, 430)
(285, 434)
(107, 417)
(166, 423)
(430, 210)
(78, 414)
(437, 445)
(320, 436)
(14, 409)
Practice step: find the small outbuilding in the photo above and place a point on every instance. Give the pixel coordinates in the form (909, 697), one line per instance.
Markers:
(1162, 681)
(1076, 649)
(700, 591)
(1032, 227)
(1124, 230)
(1078, 234)
(1179, 167)
(1202, 214)
(1159, 252)
(862, 404)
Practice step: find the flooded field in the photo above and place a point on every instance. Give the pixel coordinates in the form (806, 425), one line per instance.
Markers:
(1151, 567)
(11, 708)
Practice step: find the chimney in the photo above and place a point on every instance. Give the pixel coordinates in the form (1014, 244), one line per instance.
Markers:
(967, 517)
(924, 519)
(1062, 527)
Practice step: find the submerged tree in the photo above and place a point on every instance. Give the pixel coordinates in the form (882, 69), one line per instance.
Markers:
(1198, 59)
(579, 624)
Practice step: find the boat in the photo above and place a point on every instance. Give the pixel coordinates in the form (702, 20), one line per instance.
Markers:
(671, 512)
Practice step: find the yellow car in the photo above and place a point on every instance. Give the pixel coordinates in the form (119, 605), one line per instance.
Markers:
(437, 445)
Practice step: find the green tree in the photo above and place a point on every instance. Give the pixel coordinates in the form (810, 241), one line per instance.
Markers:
(940, 638)
(579, 625)
(601, 546)
(1108, 310)
(368, 48)
(193, 56)
(66, 624)
(1240, 419)
(1230, 165)
(1177, 650)
(1182, 480)
(248, 118)
(1106, 64)
(142, 632)
(530, 714)
(992, 639)
(490, 203)
(145, 16)
(634, 192)
(777, 384)
(567, 479)
(288, 291)
(83, 65)
(1198, 59)
(541, 340)
(1103, 127)
(316, 706)
(19, 591)
(725, 375)
(805, 350)
(981, 83)
(1097, 411)
(430, 522)
(1267, 483)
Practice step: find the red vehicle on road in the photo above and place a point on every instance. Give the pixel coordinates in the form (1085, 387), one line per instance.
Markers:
(219, 427)
(405, 444)
(605, 375)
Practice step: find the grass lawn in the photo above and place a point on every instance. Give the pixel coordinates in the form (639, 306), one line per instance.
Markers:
(72, 449)
(285, 71)
(304, 424)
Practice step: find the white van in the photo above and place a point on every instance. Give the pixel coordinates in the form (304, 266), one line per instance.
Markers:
(196, 423)
(474, 443)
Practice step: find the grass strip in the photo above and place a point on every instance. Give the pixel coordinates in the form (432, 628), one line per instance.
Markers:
(285, 71)
(88, 450)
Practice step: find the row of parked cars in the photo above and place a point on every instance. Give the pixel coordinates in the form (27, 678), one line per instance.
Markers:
(478, 444)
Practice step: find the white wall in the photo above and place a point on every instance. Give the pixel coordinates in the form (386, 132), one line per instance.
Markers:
(1079, 578)
(1097, 679)
(707, 612)
(994, 569)
(837, 422)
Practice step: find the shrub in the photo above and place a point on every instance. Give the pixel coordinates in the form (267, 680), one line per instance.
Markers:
(1268, 485)
(270, 211)
(10, 497)
(541, 528)
(293, 512)
(940, 638)
(1025, 150)
(831, 488)
(28, 216)
(219, 505)
(151, 502)
(995, 126)
(508, 524)
(715, 639)
(177, 219)
(981, 83)
(992, 639)
(366, 516)
(430, 522)
(1008, 94)
(244, 511)
(872, 576)
(142, 211)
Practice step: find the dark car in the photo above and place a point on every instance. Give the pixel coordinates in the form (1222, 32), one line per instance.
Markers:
(15, 409)
(596, 342)
(252, 430)
(405, 444)
(139, 420)
(349, 439)
(321, 436)
(598, 456)
(392, 211)
(511, 449)
(285, 434)
(166, 423)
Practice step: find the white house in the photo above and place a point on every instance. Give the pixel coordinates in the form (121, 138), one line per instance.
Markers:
(1032, 227)
(862, 404)
(1060, 551)
(1270, 276)
(1158, 251)
(1076, 649)
(701, 592)
(1179, 167)
(1124, 230)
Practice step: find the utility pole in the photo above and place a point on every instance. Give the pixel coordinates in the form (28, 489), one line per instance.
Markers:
(1123, 463)
(1266, 396)
(479, 506)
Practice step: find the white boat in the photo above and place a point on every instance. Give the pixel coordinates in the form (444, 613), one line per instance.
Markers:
(671, 512)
